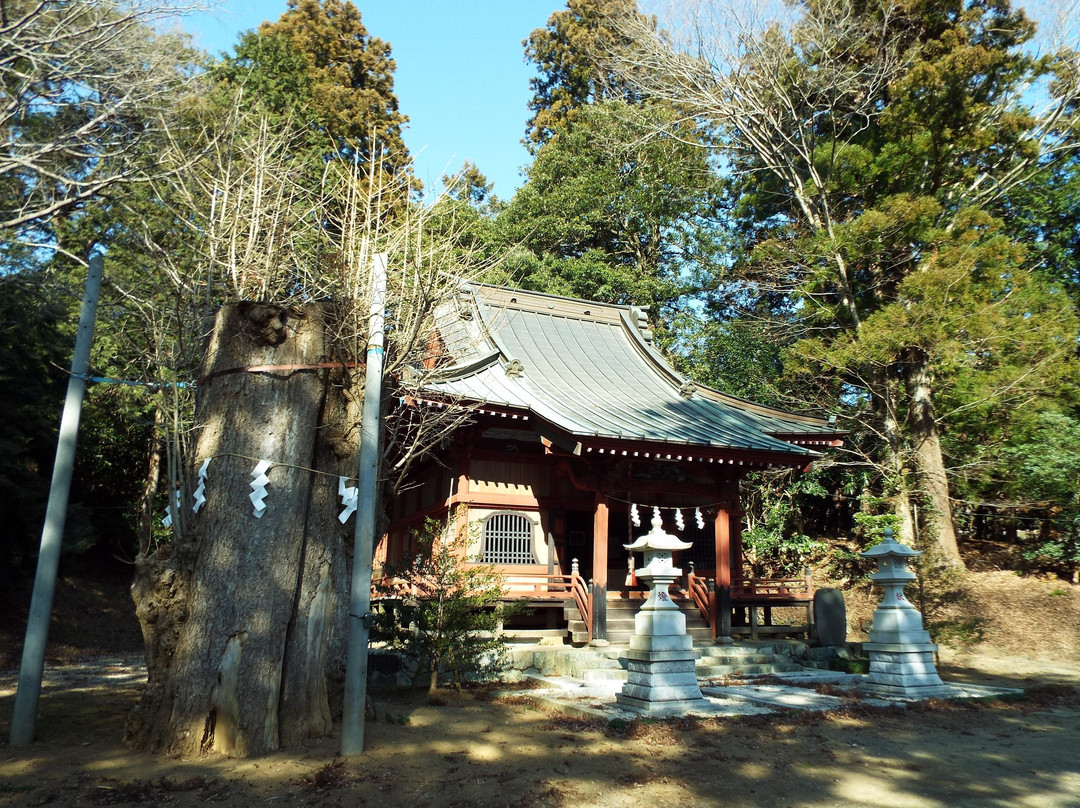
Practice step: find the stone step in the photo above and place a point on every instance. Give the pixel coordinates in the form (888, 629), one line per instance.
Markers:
(708, 657)
(515, 636)
(621, 613)
(700, 636)
(610, 664)
(605, 675)
(718, 671)
(744, 648)
(627, 618)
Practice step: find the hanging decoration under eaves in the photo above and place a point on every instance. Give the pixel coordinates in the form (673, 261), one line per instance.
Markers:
(680, 519)
(349, 495)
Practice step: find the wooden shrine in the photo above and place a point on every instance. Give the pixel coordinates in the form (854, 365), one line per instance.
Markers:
(578, 426)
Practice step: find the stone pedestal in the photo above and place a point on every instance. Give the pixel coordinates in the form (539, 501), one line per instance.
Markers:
(661, 661)
(901, 654)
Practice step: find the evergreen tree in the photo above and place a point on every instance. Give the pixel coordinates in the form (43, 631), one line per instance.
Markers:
(571, 54)
(617, 207)
(877, 149)
(348, 79)
(450, 612)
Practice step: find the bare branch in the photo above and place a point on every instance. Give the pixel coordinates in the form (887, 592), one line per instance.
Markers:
(83, 85)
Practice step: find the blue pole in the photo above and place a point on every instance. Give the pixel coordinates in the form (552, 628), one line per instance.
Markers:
(356, 660)
(24, 715)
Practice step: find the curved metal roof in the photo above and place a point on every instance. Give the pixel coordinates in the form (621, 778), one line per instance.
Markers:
(587, 369)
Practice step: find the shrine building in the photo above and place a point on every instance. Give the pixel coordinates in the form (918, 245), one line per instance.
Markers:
(578, 429)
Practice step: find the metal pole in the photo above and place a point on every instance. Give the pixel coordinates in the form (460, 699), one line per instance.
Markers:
(24, 713)
(356, 662)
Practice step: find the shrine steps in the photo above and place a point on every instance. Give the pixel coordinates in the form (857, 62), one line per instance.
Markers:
(525, 636)
(620, 621)
(608, 664)
(744, 660)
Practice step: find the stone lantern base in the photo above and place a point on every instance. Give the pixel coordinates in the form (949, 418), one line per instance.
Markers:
(662, 677)
(903, 670)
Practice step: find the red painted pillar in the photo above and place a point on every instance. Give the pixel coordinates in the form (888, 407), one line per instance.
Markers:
(599, 565)
(460, 498)
(736, 519)
(723, 572)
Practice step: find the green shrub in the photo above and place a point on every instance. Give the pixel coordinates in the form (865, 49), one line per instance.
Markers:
(450, 616)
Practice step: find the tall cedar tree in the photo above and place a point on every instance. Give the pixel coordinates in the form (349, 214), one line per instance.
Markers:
(616, 207)
(569, 54)
(350, 79)
(620, 198)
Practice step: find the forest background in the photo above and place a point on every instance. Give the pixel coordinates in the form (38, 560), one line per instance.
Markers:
(865, 211)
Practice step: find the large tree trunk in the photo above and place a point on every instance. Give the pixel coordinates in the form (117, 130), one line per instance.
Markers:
(151, 484)
(240, 616)
(889, 385)
(926, 443)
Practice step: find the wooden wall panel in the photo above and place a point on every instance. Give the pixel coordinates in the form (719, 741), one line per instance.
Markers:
(503, 477)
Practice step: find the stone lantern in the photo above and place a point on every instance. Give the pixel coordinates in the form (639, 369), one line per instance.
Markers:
(901, 654)
(661, 660)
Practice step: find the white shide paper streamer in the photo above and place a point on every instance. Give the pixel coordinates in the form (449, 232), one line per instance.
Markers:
(348, 494)
(167, 521)
(258, 487)
(200, 493)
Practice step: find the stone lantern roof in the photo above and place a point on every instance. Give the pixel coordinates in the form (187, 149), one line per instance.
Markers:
(658, 539)
(890, 547)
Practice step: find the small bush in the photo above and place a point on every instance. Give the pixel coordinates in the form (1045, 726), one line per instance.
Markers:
(451, 613)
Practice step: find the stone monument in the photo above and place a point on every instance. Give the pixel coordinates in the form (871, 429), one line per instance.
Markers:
(901, 654)
(661, 661)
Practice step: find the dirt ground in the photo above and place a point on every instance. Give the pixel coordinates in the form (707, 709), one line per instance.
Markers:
(476, 750)
(473, 749)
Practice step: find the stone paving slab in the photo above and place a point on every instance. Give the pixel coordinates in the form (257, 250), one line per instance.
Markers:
(777, 696)
(597, 699)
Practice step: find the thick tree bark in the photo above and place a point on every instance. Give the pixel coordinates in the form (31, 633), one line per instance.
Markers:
(926, 443)
(240, 615)
(315, 650)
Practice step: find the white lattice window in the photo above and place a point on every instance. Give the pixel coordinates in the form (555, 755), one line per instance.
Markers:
(508, 539)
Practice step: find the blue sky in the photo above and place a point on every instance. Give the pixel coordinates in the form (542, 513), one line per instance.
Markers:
(460, 74)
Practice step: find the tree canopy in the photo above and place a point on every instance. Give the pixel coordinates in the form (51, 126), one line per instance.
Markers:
(569, 53)
(618, 206)
(82, 87)
(877, 150)
(348, 76)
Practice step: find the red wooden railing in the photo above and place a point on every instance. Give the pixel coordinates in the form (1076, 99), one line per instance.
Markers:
(545, 586)
(764, 590)
(703, 592)
(582, 597)
(537, 586)
(751, 592)
(698, 589)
